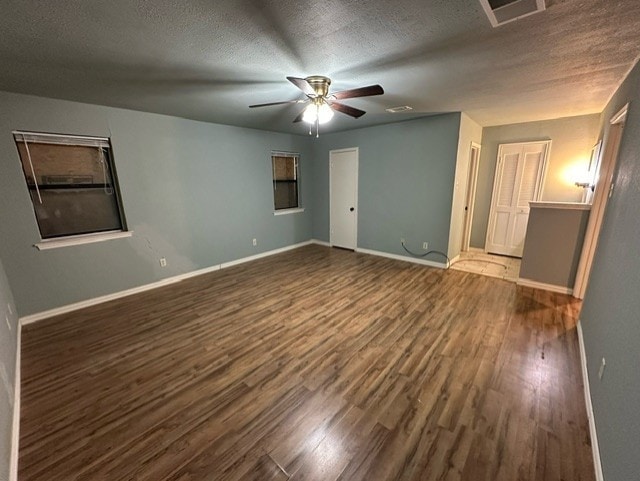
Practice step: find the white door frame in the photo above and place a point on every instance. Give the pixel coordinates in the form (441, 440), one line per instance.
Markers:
(355, 227)
(604, 190)
(470, 195)
(539, 190)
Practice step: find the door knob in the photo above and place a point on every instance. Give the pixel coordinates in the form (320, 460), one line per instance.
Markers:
(352, 209)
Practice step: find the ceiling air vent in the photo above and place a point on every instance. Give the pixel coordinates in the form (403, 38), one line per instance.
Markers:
(395, 110)
(505, 11)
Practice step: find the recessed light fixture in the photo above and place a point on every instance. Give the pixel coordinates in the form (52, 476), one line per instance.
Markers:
(395, 110)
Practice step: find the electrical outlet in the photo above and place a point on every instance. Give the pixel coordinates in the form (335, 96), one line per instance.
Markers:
(425, 245)
(601, 370)
(6, 317)
(402, 240)
(255, 242)
(163, 262)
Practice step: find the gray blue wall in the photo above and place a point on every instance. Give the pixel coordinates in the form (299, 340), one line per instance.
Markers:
(572, 139)
(610, 314)
(193, 192)
(405, 183)
(8, 346)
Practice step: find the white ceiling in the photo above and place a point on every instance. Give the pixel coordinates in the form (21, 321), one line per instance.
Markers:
(210, 59)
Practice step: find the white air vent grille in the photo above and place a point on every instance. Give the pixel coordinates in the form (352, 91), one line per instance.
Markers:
(395, 110)
(505, 11)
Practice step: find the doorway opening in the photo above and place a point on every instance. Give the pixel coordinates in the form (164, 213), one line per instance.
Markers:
(603, 191)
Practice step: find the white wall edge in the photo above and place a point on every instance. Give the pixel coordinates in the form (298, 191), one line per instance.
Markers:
(401, 258)
(15, 430)
(545, 287)
(587, 400)
(280, 250)
(163, 282)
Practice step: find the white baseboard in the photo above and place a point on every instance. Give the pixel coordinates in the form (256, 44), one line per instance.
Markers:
(164, 282)
(454, 260)
(587, 399)
(320, 243)
(476, 249)
(280, 250)
(545, 287)
(15, 429)
(401, 258)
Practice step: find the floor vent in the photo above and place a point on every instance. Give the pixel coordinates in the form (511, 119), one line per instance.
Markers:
(505, 11)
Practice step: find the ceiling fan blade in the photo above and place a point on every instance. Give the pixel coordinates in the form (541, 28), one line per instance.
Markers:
(345, 109)
(299, 101)
(303, 85)
(361, 92)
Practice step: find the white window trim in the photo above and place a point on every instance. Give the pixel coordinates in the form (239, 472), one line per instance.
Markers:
(81, 239)
(295, 210)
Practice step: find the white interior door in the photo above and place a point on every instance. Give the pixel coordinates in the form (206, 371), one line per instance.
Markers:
(518, 181)
(343, 197)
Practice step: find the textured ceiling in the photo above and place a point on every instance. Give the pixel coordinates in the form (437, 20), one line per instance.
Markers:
(210, 59)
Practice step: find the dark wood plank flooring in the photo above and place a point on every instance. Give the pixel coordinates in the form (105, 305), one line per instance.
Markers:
(315, 364)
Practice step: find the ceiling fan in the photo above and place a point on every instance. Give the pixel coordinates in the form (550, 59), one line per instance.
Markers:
(322, 105)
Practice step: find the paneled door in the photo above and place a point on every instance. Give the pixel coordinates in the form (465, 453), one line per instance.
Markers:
(518, 181)
(343, 197)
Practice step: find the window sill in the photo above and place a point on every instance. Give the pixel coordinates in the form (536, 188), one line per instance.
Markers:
(81, 239)
(288, 211)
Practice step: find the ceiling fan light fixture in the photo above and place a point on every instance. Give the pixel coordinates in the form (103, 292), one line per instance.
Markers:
(317, 111)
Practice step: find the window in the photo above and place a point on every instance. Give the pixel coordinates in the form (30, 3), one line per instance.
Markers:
(72, 184)
(285, 180)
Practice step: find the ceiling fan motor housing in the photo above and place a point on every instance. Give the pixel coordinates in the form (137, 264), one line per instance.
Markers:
(319, 84)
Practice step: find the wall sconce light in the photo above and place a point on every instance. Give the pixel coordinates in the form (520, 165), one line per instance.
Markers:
(585, 185)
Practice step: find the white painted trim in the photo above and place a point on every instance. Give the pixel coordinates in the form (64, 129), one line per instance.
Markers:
(163, 282)
(545, 204)
(454, 260)
(401, 258)
(600, 198)
(81, 239)
(116, 295)
(320, 243)
(477, 249)
(242, 260)
(470, 195)
(15, 430)
(597, 463)
(620, 116)
(288, 211)
(543, 286)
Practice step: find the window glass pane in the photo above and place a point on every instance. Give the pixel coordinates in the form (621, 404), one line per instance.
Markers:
(71, 187)
(285, 182)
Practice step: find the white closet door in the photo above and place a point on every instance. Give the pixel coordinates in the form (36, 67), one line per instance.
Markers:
(343, 198)
(518, 181)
